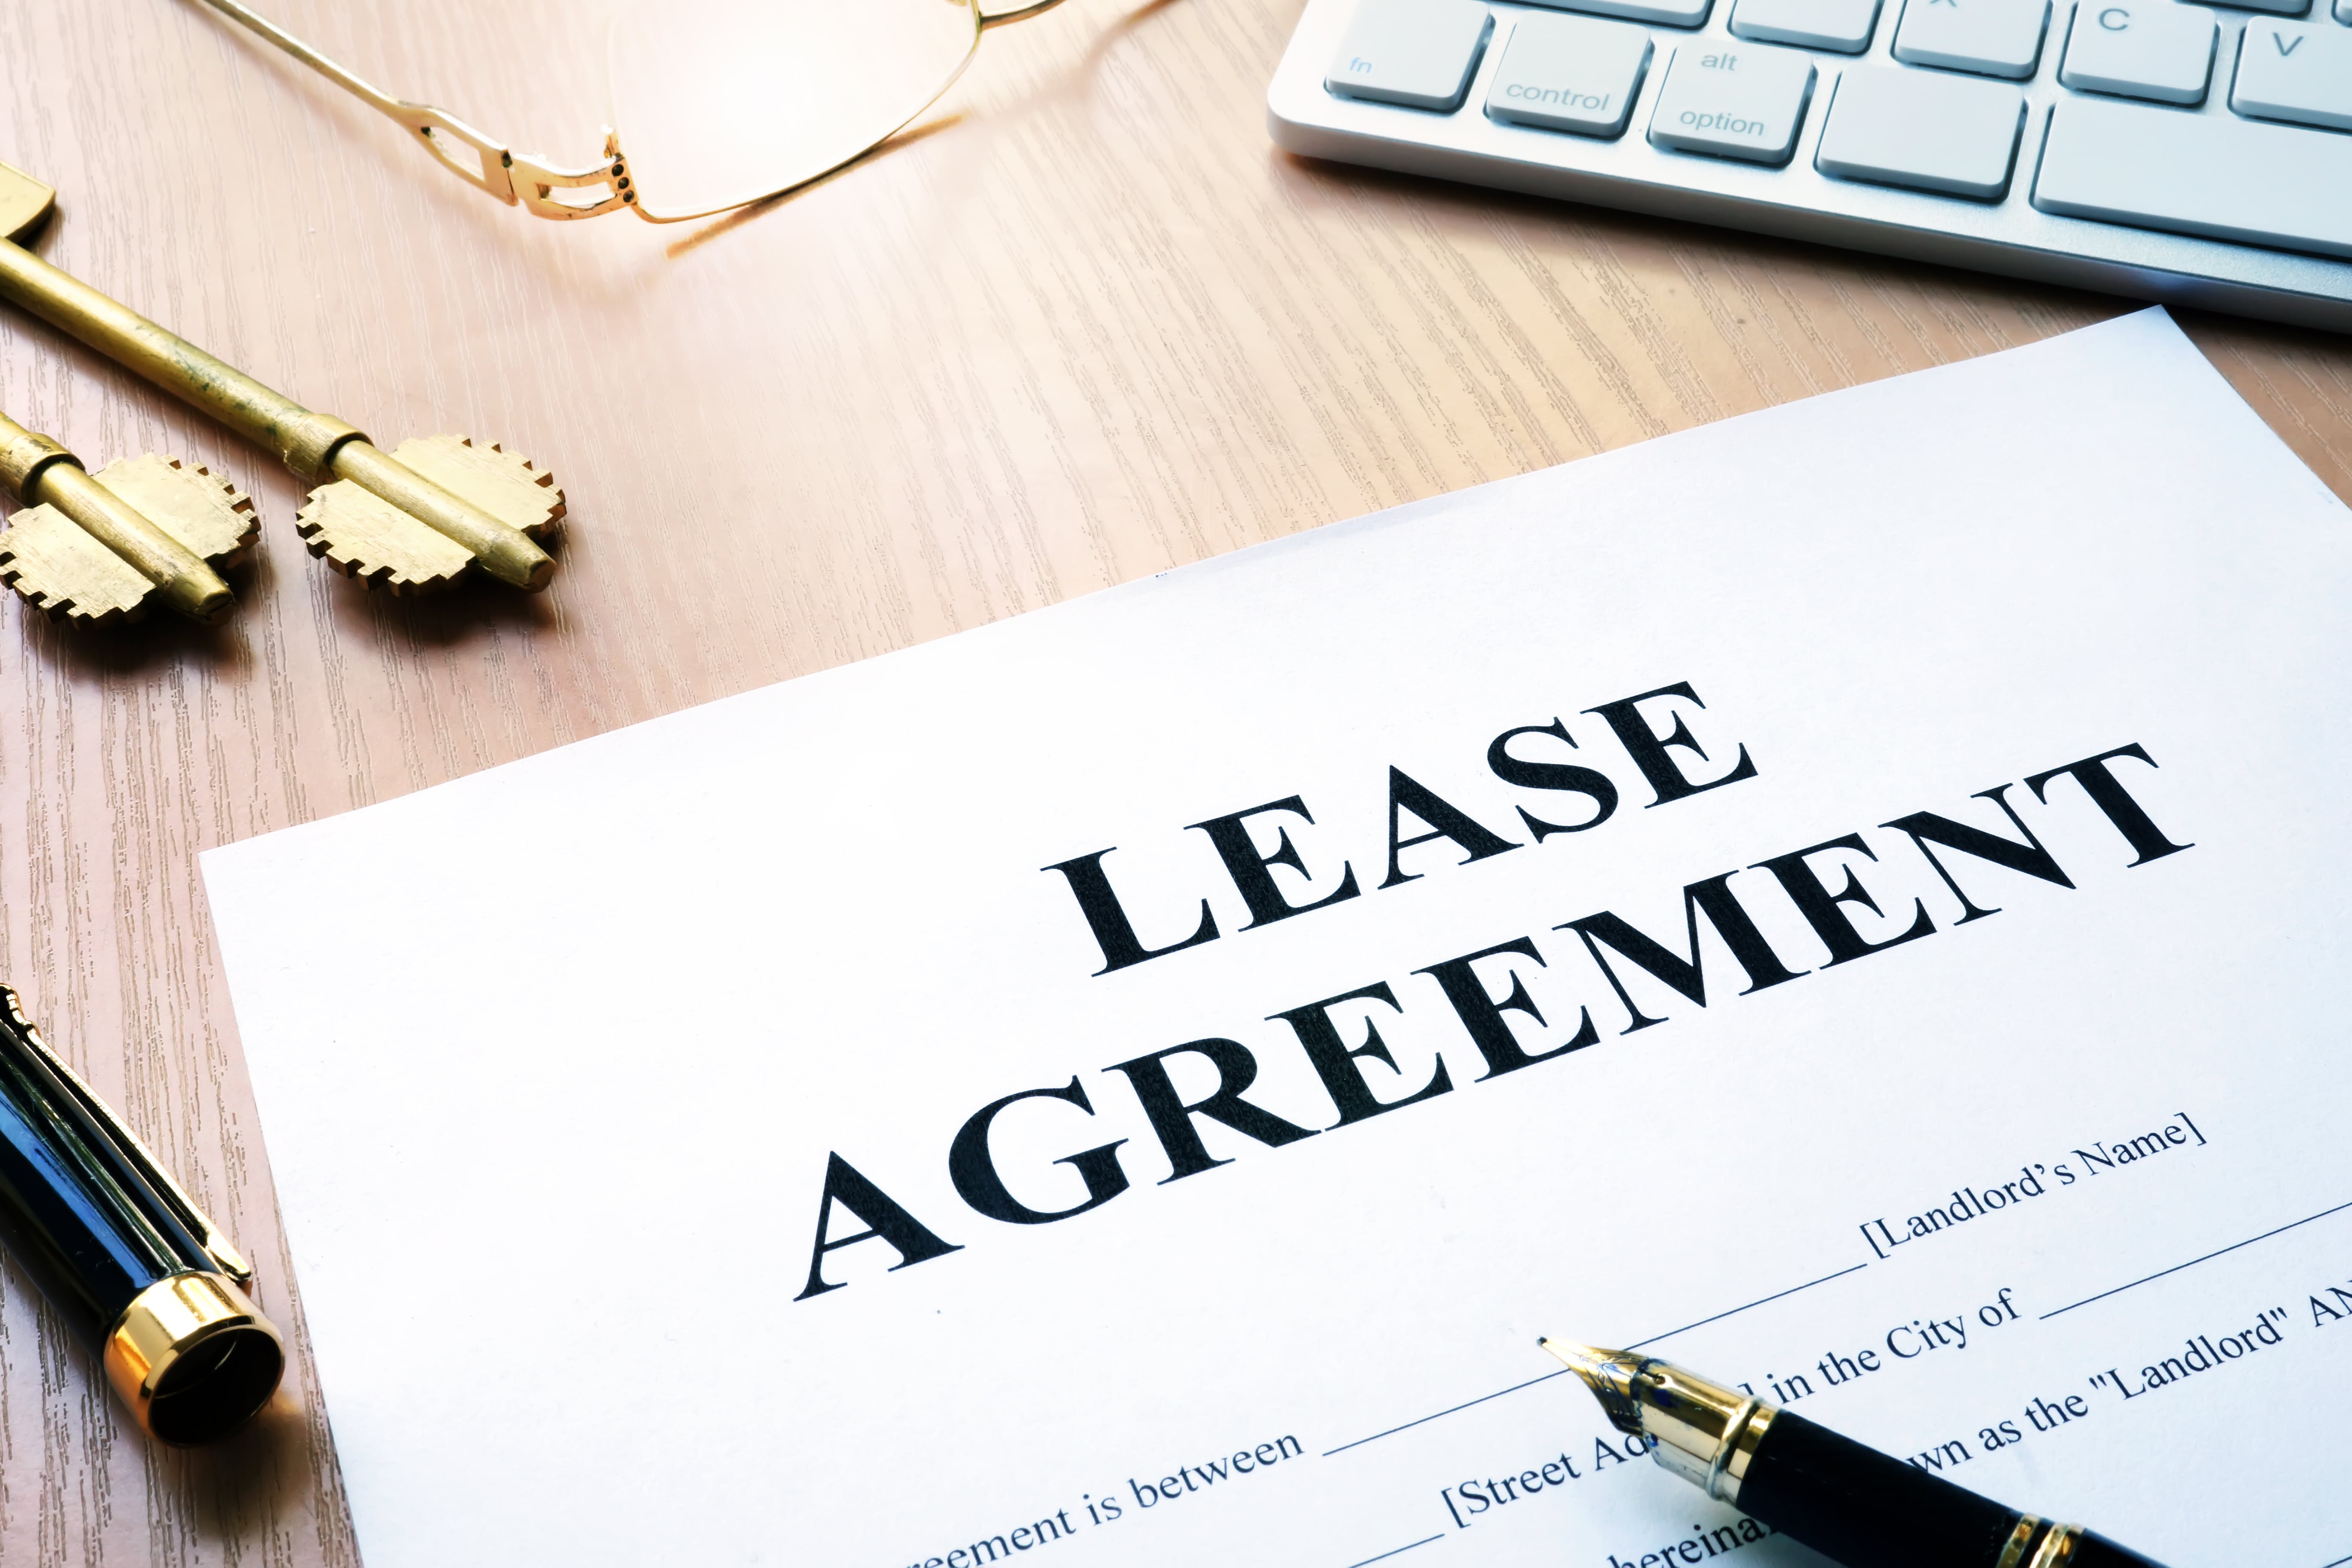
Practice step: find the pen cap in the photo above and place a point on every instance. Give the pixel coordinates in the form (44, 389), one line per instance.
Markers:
(130, 1267)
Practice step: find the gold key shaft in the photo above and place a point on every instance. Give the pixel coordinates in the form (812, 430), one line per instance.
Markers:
(319, 447)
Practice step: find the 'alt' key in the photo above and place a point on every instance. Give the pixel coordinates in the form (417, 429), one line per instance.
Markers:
(1733, 103)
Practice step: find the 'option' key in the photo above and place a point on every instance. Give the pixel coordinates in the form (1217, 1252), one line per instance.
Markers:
(1745, 101)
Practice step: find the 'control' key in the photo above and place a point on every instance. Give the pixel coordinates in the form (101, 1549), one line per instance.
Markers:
(1419, 53)
(1569, 73)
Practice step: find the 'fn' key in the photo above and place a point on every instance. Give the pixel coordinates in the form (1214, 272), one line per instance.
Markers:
(1419, 53)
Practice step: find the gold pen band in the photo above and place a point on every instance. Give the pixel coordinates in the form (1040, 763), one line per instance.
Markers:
(2057, 1547)
(192, 1358)
(2013, 1552)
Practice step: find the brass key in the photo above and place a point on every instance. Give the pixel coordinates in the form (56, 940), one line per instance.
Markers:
(411, 521)
(93, 549)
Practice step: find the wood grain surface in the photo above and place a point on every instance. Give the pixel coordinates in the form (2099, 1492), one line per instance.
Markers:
(1081, 324)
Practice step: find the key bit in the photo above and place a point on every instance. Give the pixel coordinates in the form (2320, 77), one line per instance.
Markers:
(410, 520)
(95, 549)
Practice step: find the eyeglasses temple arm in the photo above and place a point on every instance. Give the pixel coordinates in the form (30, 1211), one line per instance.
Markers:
(514, 178)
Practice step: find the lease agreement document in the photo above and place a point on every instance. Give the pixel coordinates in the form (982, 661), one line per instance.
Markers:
(1853, 898)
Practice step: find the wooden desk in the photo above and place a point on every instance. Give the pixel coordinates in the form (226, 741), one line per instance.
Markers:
(1091, 327)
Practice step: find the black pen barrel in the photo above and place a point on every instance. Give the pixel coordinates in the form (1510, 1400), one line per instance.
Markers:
(1868, 1510)
(89, 1233)
(116, 1258)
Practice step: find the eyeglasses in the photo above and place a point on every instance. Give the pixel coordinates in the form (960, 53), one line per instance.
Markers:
(718, 103)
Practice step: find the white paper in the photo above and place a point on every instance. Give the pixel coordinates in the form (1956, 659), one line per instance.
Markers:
(592, 1088)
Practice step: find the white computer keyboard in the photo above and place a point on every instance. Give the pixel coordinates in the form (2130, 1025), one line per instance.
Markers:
(2172, 152)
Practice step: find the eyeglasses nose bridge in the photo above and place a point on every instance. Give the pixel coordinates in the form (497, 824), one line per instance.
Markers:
(537, 183)
(520, 178)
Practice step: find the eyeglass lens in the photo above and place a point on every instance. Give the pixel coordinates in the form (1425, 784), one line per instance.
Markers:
(720, 102)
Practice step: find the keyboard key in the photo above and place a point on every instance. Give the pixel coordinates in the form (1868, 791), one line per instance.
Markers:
(1844, 25)
(1419, 53)
(1670, 13)
(2344, 12)
(1992, 37)
(1929, 131)
(2196, 174)
(1569, 73)
(2141, 48)
(2290, 71)
(1733, 103)
(2279, 8)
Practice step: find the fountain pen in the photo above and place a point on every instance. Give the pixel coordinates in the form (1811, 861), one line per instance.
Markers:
(1847, 1501)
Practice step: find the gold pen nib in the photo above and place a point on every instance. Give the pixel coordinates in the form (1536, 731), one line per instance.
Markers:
(1610, 1375)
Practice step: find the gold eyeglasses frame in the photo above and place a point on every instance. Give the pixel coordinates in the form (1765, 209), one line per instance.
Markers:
(527, 180)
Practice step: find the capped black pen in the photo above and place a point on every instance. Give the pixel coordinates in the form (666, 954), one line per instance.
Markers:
(128, 1262)
(1842, 1498)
